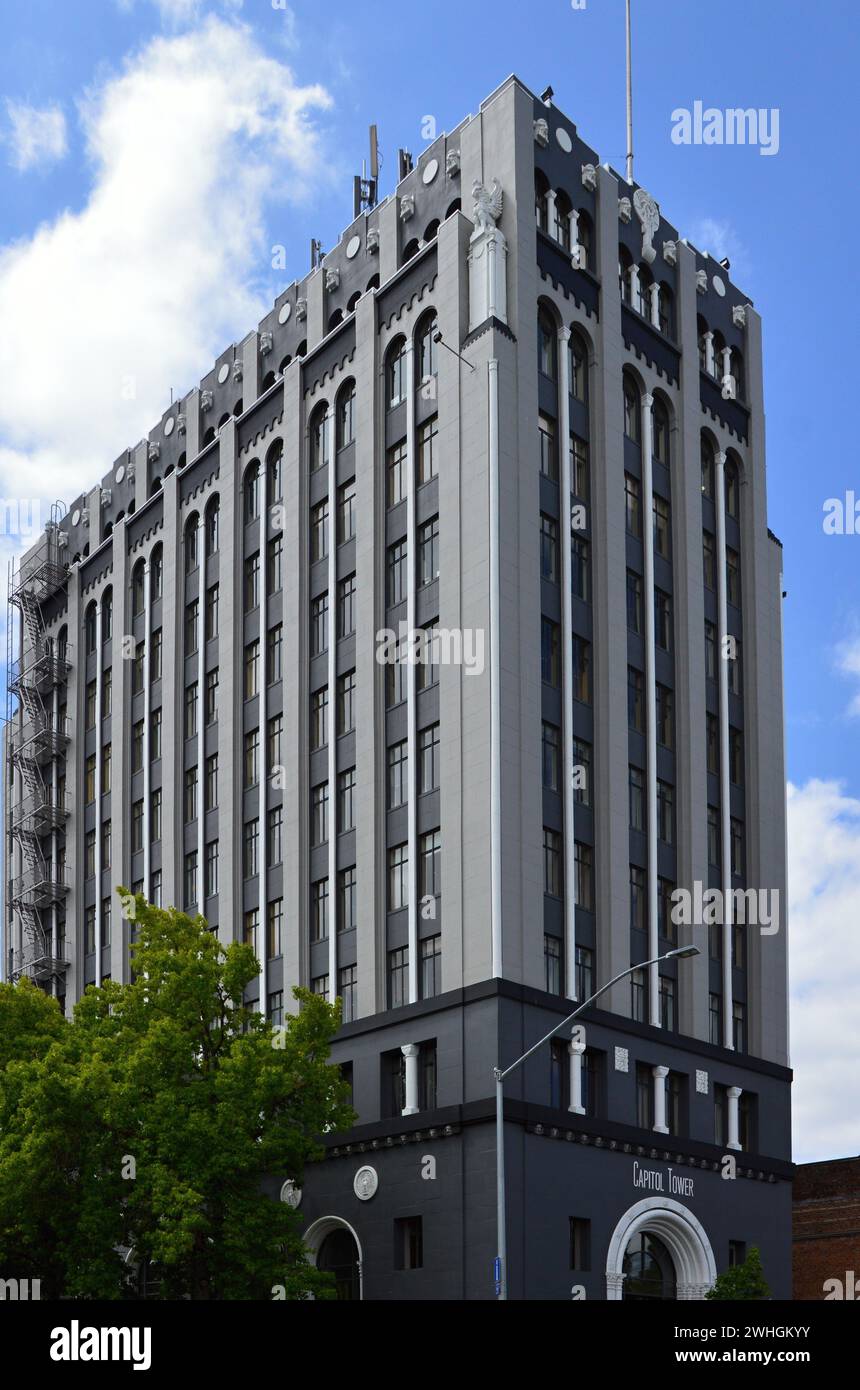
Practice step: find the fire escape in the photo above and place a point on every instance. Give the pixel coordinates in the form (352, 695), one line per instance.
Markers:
(38, 738)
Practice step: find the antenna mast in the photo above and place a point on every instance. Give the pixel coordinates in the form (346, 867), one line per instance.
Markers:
(629, 100)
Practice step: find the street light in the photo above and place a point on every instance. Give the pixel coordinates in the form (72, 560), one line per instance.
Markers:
(679, 953)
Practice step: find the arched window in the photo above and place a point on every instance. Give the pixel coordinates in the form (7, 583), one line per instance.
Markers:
(211, 526)
(222, 422)
(238, 407)
(563, 209)
(737, 365)
(707, 469)
(335, 319)
(395, 373)
(275, 466)
(719, 349)
(430, 230)
(666, 311)
(373, 283)
(156, 574)
(733, 500)
(284, 363)
(268, 380)
(318, 438)
(541, 201)
(346, 415)
(625, 264)
(138, 593)
(660, 418)
(107, 615)
(251, 492)
(352, 301)
(578, 367)
(585, 235)
(453, 207)
(91, 628)
(632, 419)
(702, 330)
(643, 301)
(207, 438)
(410, 249)
(302, 348)
(192, 558)
(154, 487)
(547, 344)
(428, 364)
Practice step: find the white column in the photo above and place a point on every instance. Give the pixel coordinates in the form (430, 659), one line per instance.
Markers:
(332, 708)
(660, 1074)
(709, 352)
(576, 257)
(655, 305)
(551, 215)
(411, 679)
(410, 1052)
(650, 700)
(201, 706)
(633, 274)
(565, 540)
(98, 927)
(495, 676)
(55, 839)
(734, 1094)
(727, 361)
(576, 1052)
(147, 746)
(725, 781)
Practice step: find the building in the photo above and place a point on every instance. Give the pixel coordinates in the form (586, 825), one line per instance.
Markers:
(515, 347)
(827, 1230)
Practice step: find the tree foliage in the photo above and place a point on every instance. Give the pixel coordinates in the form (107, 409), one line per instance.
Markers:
(742, 1282)
(138, 1134)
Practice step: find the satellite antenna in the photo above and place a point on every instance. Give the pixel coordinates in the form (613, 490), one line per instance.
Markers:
(629, 100)
(317, 253)
(365, 189)
(404, 164)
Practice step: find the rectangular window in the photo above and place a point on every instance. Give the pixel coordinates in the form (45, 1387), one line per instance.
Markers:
(395, 682)
(662, 527)
(90, 779)
(190, 795)
(550, 657)
(431, 966)
(91, 705)
(90, 848)
(638, 896)
(106, 768)
(274, 928)
(346, 800)
(154, 815)
(581, 772)
(319, 985)
(549, 549)
(552, 963)
(430, 864)
(275, 565)
(211, 792)
(275, 834)
(347, 988)
(665, 925)
(396, 574)
(398, 775)
(710, 651)
(637, 996)
(192, 618)
(211, 696)
(274, 654)
(665, 812)
(275, 1008)
(739, 1026)
(212, 602)
(191, 711)
(551, 755)
(546, 443)
(346, 606)
(319, 532)
(737, 847)
(190, 880)
(584, 877)
(408, 1242)
(581, 654)
(319, 719)
(346, 703)
(273, 736)
(713, 836)
(210, 888)
(250, 922)
(428, 552)
(251, 848)
(663, 620)
(428, 759)
(634, 602)
(712, 743)
(709, 560)
(396, 473)
(252, 669)
(580, 572)
(733, 577)
(319, 814)
(347, 900)
(736, 757)
(90, 930)
(346, 513)
(428, 451)
(644, 1096)
(107, 693)
(552, 877)
(398, 877)
(667, 1002)
(138, 668)
(665, 717)
(251, 759)
(319, 625)
(715, 1019)
(580, 1243)
(398, 977)
(633, 505)
(106, 844)
(635, 699)
(584, 973)
(636, 784)
(319, 910)
(105, 926)
(579, 467)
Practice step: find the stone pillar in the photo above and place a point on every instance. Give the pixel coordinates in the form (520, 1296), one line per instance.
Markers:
(576, 1051)
(660, 1074)
(410, 1052)
(735, 1093)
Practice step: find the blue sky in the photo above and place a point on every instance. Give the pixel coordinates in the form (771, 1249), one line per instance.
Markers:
(135, 240)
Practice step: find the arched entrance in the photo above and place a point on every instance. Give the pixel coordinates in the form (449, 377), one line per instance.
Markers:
(334, 1246)
(659, 1249)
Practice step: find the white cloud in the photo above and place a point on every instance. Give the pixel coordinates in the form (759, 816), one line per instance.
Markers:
(157, 271)
(177, 12)
(722, 241)
(36, 136)
(824, 955)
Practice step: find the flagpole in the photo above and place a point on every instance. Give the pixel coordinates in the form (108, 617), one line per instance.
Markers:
(629, 100)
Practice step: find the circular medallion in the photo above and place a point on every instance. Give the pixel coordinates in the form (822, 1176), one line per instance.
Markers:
(365, 1183)
(431, 169)
(120, 473)
(291, 1194)
(353, 247)
(223, 373)
(169, 426)
(564, 139)
(76, 516)
(284, 312)
(718, 285)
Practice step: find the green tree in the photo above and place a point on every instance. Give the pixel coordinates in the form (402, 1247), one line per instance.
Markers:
(742, 1282)
(149, 1122)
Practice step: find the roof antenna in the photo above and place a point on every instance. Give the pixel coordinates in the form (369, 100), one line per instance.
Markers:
(629, 100)
(364, 188)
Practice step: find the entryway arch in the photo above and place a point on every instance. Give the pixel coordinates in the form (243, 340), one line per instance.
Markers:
(333, 1245)
(679, 1231)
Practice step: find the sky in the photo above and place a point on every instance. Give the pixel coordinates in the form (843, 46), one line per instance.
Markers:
(157, 157)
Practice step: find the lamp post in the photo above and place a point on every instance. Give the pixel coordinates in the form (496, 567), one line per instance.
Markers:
(501, 1271)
